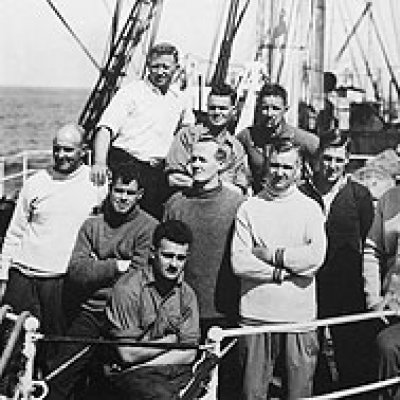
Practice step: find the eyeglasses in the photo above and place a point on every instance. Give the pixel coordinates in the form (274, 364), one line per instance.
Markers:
(285, 167)
(328, 158)
(129, 192)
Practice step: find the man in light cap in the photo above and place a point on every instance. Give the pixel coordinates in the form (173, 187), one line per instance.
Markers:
(52, 205)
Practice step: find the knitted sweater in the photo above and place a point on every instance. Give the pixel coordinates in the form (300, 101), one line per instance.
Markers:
(210, 215)
(295, 223)
(49, 212)
(102, 241)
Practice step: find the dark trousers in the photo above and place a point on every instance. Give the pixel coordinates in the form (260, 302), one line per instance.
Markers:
(42, 298)
(229, 383)
(388, 343)
(152, 383)
(62, 385)
(152, 179)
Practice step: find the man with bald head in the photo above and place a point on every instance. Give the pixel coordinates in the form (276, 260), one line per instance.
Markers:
(52, 205)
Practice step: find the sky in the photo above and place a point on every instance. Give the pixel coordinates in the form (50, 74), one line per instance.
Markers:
(37, 50)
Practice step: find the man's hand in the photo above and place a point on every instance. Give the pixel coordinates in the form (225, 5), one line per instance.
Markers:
(123, 265)
(263, 253)
(98, 174)
(391, 301)
(178, 179)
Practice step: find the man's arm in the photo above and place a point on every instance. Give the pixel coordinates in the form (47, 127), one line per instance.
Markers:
(178, 157)
(302, 260)
(18, 224)
(372, 257)
(101, 146)
(245, 264)
(85, 270)
(242, 170)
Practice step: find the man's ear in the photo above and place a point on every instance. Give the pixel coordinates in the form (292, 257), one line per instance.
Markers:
(140, 193)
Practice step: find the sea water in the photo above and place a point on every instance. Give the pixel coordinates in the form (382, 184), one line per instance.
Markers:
(29, 117)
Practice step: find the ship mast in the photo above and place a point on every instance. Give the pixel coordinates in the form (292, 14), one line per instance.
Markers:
(317, 56)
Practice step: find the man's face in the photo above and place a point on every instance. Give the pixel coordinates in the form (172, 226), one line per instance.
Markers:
(161, 70)
(67, 154)
(170, 259)
(204, 163)
(283, 170)
(333, 163)
(272, 111)
(124, 196)
(220, 110)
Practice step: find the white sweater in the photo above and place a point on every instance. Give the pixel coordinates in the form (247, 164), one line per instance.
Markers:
(46, 220)
(295, 223)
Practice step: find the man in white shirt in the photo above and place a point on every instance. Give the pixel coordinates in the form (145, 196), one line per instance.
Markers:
(278, 245)
(52, 205)
(139, 125)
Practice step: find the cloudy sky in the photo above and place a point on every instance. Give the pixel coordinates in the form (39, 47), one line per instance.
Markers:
(36, 50)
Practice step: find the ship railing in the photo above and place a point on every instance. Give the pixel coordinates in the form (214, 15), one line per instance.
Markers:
(22, 158)
(217, 334)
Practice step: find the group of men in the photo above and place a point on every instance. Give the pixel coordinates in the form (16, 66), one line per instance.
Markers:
(291, 251)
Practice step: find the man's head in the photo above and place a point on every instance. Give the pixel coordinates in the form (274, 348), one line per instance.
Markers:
(283, 166)
(125, 188)
(334, 156)
(162, 63)
(171, 242)
(271, 106)
(206, 161)
(68, 148)
(221, 105)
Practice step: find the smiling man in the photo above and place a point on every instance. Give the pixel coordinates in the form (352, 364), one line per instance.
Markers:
(349, 213)
(108, 245)
(269, 127)
(155, 304)
(221, 113)
(278, 245)
(139, 124)
(209, 209)
(51, 207)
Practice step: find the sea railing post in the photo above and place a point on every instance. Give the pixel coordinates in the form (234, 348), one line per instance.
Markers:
(215, 336)
(24, 166)
(2, 176)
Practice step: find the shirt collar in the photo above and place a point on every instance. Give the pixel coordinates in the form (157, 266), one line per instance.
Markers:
(171, 90)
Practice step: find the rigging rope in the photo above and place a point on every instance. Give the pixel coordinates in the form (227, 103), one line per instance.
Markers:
(385, 55)
(353, 31)
(83, 47)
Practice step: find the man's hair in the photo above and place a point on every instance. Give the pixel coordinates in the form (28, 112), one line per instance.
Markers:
(335, 138)
(126, 172)
(272, 89)
(223, 89)
(173, 230)
(284, 146)
(220, 153)
(73, 126)
(163, 49)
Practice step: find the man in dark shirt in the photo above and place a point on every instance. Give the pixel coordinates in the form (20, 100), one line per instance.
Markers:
(269, 127)
(107, 246)
(154, 304)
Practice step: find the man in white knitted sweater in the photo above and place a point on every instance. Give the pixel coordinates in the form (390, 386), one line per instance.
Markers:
(52, 205)
(278, 245)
